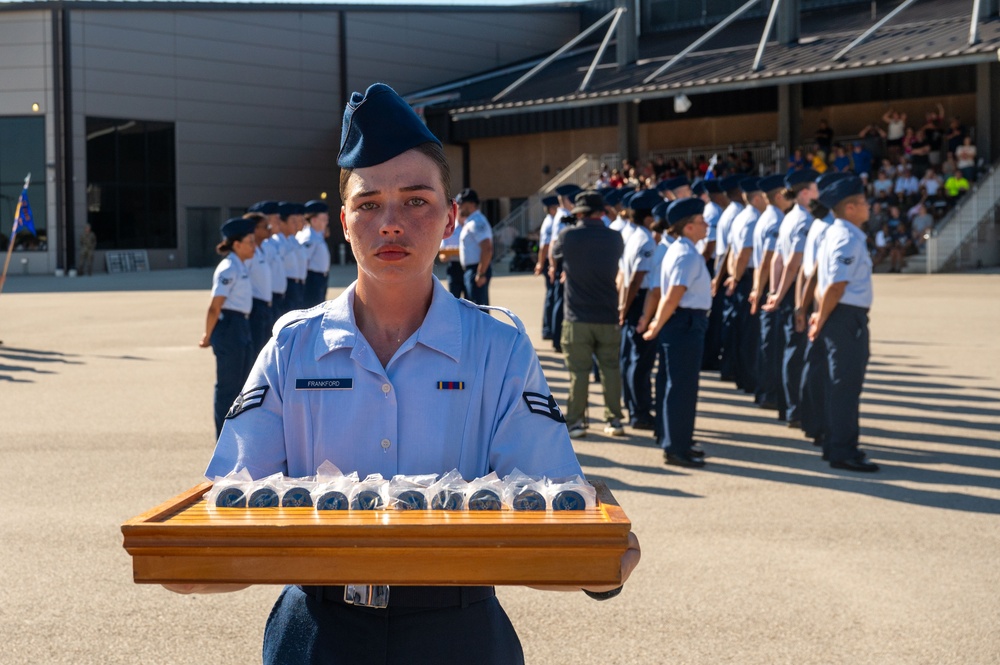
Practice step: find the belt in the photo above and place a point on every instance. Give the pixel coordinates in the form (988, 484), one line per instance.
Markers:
(691, 310)
(404, 596)
(316, 272)
(261, 302)
(233, 312)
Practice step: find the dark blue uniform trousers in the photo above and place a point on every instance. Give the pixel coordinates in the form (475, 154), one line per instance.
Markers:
(727, 359)
(277, 306)
(304, 630)
(812, 403)
(294, 291)
(769, 357)
(456, 279)
(234, 356)
(556, 312)
(746, 337)
(315, 289)
(682, 341)
(547, 307)
(261, 322)
(477, 294)
(636, 358)
(845, 335)
(793, 356)
(713, 336)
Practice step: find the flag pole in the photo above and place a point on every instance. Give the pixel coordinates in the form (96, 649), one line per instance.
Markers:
(10, 243)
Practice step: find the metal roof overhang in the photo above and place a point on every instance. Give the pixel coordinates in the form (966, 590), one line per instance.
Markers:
(892, 49)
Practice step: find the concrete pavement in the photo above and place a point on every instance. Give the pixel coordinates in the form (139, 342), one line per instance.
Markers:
(766, 556)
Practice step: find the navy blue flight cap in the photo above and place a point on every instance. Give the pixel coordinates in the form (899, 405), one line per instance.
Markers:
(713, 186)
(264, 207)
(750, 185)
(469, 195)
(614, 197)
(286, 208)
(645, 200)
(237, 228)
(731, 182)
(378, 126)
(660, 211)
(684, 208)
(799, 177)
(829, 178)
(627, 198)
(834, 193)
(569, 191)
(673, 183)
(699, 188)
(316, 206)
(550, 201)
(771, 182)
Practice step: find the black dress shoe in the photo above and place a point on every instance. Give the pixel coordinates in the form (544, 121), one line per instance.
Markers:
(860, 465)
(793, 424)
(643, 424)
(684, 459)
(767, 405)
(695, 451)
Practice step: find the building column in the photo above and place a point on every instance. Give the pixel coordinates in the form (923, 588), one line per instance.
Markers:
(789, 22)
(790, 116)
(987, 138)
(628, 131)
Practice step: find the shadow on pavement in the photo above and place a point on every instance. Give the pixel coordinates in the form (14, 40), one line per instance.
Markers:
(30, 357)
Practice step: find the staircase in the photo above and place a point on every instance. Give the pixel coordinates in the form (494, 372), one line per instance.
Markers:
(967, 237)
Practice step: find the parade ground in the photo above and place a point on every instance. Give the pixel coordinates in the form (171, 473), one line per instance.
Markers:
(766, 556)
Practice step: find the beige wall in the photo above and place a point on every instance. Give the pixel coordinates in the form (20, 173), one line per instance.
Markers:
(850, 119)
(698, 132)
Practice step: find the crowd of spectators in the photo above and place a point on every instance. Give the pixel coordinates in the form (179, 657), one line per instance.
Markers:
(913, 173)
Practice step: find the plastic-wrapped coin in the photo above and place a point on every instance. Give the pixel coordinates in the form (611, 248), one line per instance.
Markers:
(484, 499)
(528, 500)
(296, 497)
(332, 500)
(447, 500)
(366, 500)
(569, 500)
(231, 497)
(263, 497)
(411, 500)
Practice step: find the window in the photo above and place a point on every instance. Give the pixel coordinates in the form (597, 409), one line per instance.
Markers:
(22, 150)
(131, 183)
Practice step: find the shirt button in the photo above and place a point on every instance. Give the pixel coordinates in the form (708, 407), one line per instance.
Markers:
(386, 443)
(386, 388)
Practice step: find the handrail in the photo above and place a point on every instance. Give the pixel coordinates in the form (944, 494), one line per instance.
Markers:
(978, 206)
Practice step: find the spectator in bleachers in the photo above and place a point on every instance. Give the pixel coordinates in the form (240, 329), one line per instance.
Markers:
(888, 167)
(930, 184)
(824, 137)
(873, 139)
(861, 160)
(907, 186)
(965, 159)
(883, 186)
(881, 245)
(908, 138)
(896, 130)
(797, 161)
(817, 160)
(899, 243)
(878, 216)
(933, 129)
(920, 224)
(616, 179)
(920, 153)
(895, 218)
(955, 186)
(841, 160)
(955, 135)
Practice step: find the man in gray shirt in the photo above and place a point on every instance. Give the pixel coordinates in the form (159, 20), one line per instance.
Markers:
(588, 254)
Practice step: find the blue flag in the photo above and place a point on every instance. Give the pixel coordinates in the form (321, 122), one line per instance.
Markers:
(25, 220)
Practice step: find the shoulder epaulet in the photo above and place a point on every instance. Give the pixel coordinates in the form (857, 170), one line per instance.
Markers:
(489, 308)
(296, 315)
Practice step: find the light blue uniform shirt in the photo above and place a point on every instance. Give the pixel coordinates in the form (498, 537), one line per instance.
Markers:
(232, 280)
(638, 256)
(475, 230)
(843, 257)
(813, 240)
(765, 233)
(318, 392)
(654, 276)
(545, 233)
(260, 275)
(792, 232)
(272, 249)
(712, 213)
(299, 253)
(741, 233)
(722, 228)
(316, 251)
(685, 266)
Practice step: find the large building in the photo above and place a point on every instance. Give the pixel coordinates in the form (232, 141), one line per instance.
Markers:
(154, 121)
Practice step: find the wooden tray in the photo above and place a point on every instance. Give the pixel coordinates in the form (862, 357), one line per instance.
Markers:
(185, 541)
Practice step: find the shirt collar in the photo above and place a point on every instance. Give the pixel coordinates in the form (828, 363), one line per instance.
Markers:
(440, 330)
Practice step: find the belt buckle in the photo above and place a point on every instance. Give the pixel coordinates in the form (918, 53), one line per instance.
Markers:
(367, 595)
